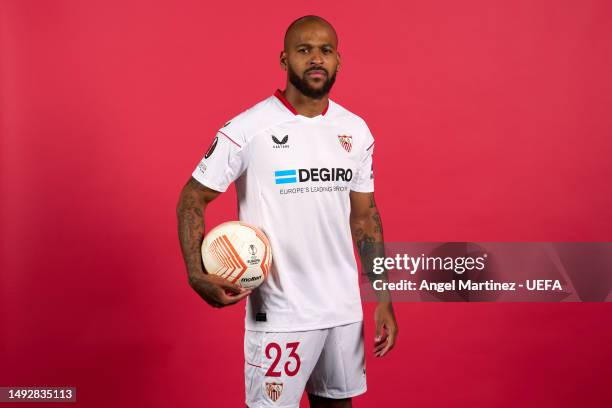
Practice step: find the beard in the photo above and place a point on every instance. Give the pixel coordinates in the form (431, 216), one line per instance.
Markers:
(301, 83)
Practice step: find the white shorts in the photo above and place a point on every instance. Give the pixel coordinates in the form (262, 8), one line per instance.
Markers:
(279, 366)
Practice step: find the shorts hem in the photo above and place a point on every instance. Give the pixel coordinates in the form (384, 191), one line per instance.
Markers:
(340, 395)
(319, 326)
(260, 405)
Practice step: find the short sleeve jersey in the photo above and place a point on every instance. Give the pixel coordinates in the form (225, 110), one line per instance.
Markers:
(293, 175)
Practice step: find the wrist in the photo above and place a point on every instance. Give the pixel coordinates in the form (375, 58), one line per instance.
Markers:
(196, 276)
(385, 303)
(383, 297)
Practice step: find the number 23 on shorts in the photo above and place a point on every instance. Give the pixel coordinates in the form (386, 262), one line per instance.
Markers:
(274, 352)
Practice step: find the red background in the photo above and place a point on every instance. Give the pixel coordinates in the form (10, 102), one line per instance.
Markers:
(492, 121)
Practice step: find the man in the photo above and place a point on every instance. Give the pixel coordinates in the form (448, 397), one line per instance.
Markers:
(302, 165)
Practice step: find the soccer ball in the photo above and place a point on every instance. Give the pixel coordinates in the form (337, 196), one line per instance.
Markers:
(238, 252)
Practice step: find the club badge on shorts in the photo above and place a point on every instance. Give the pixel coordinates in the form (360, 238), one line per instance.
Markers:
(274, 390)
(346, 141)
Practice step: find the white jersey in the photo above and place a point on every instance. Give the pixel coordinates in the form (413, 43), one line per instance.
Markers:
(293, 176)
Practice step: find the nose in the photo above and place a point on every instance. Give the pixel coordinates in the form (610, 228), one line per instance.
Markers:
(316, 57)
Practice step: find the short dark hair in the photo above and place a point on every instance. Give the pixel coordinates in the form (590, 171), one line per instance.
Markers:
(304, 19)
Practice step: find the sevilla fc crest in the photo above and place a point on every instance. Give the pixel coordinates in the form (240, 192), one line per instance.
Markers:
(346, 141)
(274, 390)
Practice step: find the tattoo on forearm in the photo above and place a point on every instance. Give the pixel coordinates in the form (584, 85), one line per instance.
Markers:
(369, 248)
(191, 227)
(368, 235)
(377, 223)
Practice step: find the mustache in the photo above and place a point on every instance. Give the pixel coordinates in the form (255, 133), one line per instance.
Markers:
(317, 69)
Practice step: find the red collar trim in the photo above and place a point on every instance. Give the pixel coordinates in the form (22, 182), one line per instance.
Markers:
(284, 101)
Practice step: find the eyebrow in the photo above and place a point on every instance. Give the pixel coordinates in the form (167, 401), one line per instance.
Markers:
(310, 45)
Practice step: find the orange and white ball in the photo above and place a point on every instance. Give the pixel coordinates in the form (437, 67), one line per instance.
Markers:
(238, 252)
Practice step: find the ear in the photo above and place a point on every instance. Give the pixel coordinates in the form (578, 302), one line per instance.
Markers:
(283, 60)
(339, 62)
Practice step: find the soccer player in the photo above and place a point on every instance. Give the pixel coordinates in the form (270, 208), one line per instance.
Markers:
(302, 166)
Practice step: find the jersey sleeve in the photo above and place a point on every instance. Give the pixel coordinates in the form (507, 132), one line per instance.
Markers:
(363, 182)
(223, 162)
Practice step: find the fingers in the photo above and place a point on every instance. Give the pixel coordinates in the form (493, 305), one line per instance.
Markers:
(233, 288)
(227, 300)
(379, 331)
(390, 341)
(379, 348)
(219, 292)
(380, 343)
(380, 339)
(227, 293)
(225, 284)
(385, 342)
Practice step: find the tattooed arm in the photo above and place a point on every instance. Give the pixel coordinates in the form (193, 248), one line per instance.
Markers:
(366, 227)
(190, 213)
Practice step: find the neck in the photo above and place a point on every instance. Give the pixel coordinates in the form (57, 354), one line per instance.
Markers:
(303, 104)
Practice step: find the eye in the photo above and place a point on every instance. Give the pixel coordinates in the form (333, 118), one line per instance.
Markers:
(303, 50)
(327, 51)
